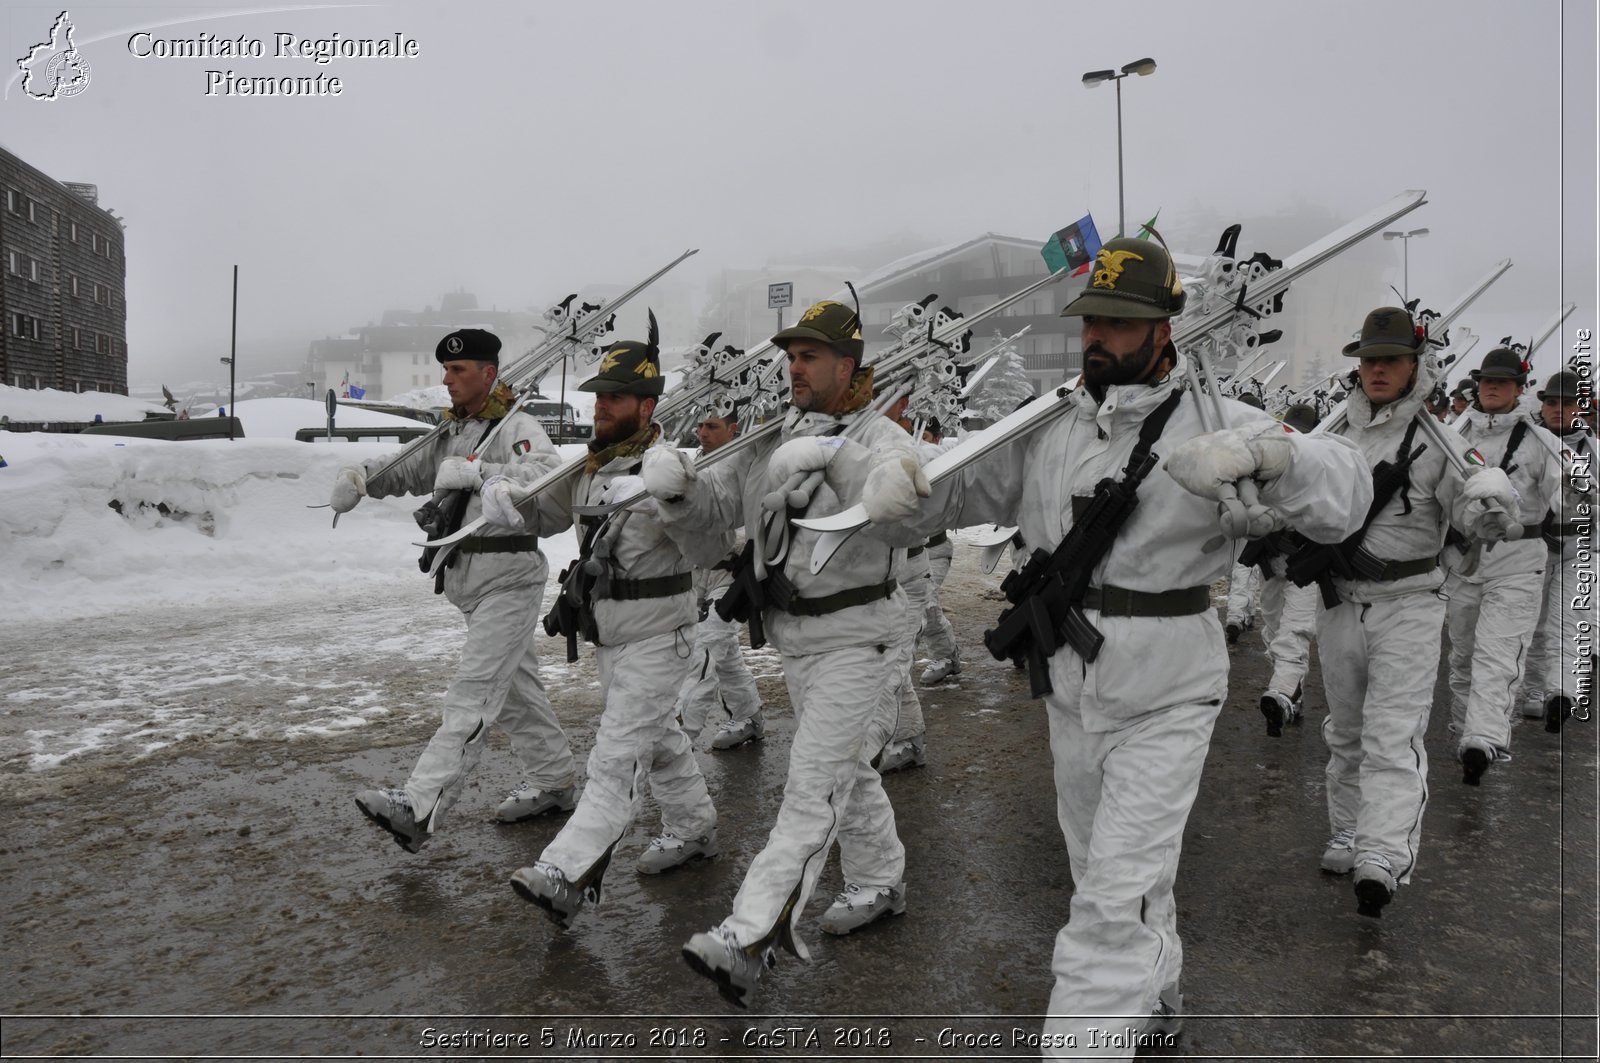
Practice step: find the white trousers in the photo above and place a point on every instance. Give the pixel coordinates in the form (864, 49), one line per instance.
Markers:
(938, 638)
(1122, 798)
(842, 704)
(638, 742)
(497, 683)
(1491, 626)
(718, 676)
(1565, 635)
(1379, 662)
(1288, 623)
(1242, 594)
(908, 719)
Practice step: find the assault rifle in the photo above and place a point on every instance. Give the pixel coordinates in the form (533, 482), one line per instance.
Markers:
(1047, 593)
(746, 597)
(1319, 562)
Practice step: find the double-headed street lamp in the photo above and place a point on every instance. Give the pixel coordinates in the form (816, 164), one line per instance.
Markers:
(1405, 243)
(1141, 67)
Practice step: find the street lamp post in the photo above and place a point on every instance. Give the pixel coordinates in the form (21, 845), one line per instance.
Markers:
(1405, 257)
(1142, 67)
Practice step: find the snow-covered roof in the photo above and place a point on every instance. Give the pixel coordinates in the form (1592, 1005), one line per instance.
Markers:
(929, 258)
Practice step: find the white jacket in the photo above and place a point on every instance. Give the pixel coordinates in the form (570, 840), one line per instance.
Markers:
(644, 548)
(520, 451)
(1535, 471)
(729, 494)
(1413, 523)
(1146, 663)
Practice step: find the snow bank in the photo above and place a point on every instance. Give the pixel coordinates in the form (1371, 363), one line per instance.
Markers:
(48, 404)
(92, 525)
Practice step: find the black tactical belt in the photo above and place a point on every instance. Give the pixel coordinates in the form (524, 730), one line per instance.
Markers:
(1532, 531)
(915, 551)
(1371, 567)
(499, 544)
(1119, 601)
(832, 603)
(938, 540)
(1567, 529)
(630, 590)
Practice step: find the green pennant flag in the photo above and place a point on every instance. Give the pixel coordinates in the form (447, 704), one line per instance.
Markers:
(1148, 227)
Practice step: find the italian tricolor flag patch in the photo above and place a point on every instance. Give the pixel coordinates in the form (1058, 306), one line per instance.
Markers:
(1475, 458)
(521, 447)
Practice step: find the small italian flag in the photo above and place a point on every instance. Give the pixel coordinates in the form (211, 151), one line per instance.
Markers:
(1475, 458)
(521, 447)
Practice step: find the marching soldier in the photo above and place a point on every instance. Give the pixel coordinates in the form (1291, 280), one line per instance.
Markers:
(837, 632)
(1378, 639)
(719, 678)
(1494, 607)
(497, 581)
(1132, 694)
(1560, 681)
(631, 594)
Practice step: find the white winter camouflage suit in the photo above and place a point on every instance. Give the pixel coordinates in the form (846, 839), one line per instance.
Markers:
(1379, 647)
(938, 638)
(718, 676)
(915, 580)
(1493, 611)
(1129, 732)
(1288, 623)
(839, 673)
(643, 654)
(1564, 641)
(497, 682)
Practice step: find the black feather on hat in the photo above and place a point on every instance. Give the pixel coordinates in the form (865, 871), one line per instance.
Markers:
(630, 367)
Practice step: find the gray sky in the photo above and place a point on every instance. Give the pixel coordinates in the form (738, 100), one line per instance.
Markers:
(533, 148)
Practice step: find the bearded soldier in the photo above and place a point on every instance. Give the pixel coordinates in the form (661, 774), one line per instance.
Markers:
(1494, 607)
(837, 632)
(1380, 634)
(1559, 676)
(496, 581)
(1134, 686)
(631, 594)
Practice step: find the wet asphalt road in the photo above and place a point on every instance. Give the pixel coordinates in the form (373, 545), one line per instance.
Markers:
(226, 898)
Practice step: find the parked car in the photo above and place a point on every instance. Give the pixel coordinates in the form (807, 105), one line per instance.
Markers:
(560, 421)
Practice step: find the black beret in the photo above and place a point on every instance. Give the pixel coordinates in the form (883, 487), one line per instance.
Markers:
(471, 344)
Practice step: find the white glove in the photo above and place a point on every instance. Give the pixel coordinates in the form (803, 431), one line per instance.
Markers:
(1203, 464)
(349, 487)
(499, 506)
(892, 489)
(622, 488)
(667, 473)
(1491, 503)
(801, 454)
(457, 474)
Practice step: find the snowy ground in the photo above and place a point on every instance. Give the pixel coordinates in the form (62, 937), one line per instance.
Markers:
(100, 534)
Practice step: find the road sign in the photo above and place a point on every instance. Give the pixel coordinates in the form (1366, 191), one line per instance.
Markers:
(780, 295)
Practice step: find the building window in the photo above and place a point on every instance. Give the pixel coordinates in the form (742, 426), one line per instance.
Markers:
(33, 269)
(13, 201)
(13, 262)
(94, 242)
(77, 338)
(73, 229)
(102, 343)
(102, 295)
(72, 285)
(25, 326)
(31, 206)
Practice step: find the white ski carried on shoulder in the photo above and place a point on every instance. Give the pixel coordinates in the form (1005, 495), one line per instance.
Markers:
(839, 526)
